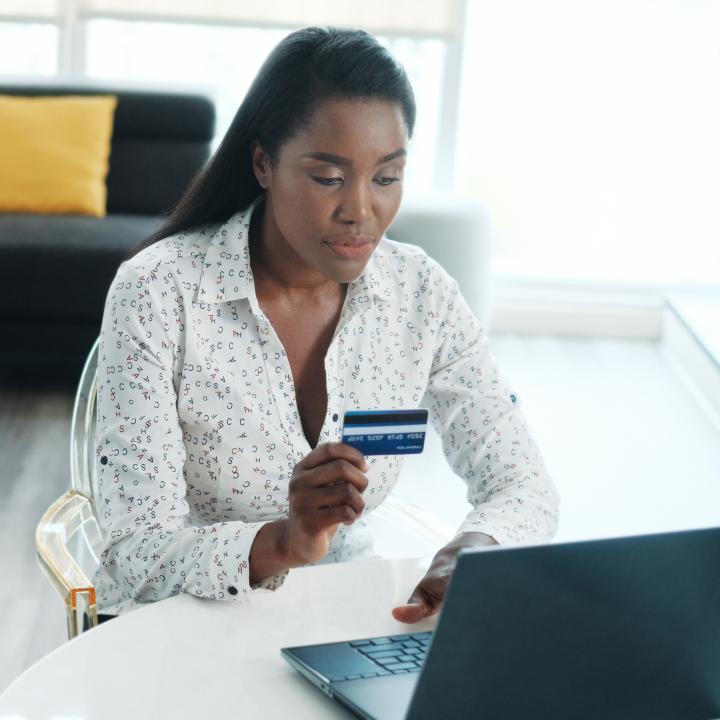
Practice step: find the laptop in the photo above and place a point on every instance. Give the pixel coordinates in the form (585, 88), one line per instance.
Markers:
(616, 628)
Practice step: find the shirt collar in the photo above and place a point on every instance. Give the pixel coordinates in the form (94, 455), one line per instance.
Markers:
(227, 275)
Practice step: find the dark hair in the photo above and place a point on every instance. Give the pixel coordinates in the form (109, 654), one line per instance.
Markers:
(305, 68)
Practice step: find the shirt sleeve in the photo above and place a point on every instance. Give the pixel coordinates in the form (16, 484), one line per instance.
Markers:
(485, 436)
(151, 549)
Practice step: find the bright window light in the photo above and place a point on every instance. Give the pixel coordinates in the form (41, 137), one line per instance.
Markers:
(591, 131)
(28, 49)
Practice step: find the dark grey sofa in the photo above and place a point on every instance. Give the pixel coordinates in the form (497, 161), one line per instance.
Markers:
(55, 270)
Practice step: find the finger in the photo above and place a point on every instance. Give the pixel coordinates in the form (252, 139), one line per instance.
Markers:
(347, 494)
(411, 613)
(326, 452)
(323, 518)
(420, 605)
(335, 472)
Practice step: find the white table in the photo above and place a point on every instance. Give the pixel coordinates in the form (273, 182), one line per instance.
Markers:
(190, 658)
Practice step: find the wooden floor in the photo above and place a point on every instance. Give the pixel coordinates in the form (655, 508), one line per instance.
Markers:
(34, 462)
(628, 448)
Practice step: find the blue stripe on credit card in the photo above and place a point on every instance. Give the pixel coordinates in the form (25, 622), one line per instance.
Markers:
(386, 432)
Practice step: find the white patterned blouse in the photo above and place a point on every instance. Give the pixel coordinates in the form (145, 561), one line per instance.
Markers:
(198, 429)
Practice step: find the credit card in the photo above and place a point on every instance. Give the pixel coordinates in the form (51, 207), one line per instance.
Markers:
(385, 432)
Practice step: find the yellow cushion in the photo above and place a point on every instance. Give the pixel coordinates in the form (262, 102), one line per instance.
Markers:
(54, 153)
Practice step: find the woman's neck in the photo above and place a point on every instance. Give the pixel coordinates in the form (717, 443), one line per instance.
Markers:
(278, 271)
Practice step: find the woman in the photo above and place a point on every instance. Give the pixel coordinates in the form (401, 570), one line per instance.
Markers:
(269, 304)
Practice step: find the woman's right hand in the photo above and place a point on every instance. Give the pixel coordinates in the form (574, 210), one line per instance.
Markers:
(325, 490)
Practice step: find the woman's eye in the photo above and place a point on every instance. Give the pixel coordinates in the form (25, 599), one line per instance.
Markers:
(382, 181)
(326, 181)
(387, 180)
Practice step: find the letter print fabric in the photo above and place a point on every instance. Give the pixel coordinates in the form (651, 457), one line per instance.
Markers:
(198, 429)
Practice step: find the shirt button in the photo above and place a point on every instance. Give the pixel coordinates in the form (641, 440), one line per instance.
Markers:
(232, 590)
(103, 460)
(513, 398)
(335, 417)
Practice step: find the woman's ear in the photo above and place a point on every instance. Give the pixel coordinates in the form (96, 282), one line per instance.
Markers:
(260, 164)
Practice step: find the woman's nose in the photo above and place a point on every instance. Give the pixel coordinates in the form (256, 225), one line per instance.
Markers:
(356, 204)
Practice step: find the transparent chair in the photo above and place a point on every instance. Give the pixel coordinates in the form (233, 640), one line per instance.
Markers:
(69, 540)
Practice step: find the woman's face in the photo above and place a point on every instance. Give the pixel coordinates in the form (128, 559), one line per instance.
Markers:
(336, 186)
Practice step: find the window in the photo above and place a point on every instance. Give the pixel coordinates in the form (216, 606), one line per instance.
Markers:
(28, 48)
(217, 47)
(224, 61)
(590, 130)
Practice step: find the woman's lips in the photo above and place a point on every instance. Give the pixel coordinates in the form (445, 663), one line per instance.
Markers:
(351, 246)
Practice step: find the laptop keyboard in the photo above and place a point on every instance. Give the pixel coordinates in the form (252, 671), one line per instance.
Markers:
(392, 655)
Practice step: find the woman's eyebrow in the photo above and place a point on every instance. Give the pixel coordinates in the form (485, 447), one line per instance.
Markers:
(338, 160)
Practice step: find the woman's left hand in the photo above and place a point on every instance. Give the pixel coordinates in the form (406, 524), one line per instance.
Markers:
(428, 595)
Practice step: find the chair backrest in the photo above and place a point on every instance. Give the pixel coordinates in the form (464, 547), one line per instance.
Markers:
(83, 471)
(82, 428)
(401, 529)
(68, 537)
